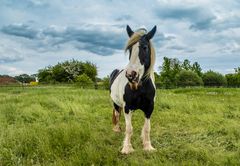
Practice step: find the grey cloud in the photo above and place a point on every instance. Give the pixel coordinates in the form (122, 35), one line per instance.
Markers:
(30, 4)
(8, 55)
(102, 41)
(161, 39)
(182, 48)
(95, 40)
(10, 59)
(124, 18)
(20, 30)
(230, 22)
(199, 18)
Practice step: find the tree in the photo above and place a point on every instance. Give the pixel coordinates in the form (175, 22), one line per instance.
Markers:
(24, 78)
(188, 78)
(67, 71)
(169, 70)
(197, 69)
(158, 81)
(186, 65)
(45, 75)
(59, 74)
(106, 82)
(90, 70)
(233, 80)
(212, 78)
(84, 81)
(237, 70)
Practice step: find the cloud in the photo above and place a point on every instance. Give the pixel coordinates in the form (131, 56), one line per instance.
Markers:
(92, 38)
(10, 70)
(230, 48)
(199, 18)
(20, 30)
(125, 17)
(9, 55)
(229, 22)
(186, 49)
(105, 40)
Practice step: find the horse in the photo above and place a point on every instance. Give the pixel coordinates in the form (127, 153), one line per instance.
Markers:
(133, 87)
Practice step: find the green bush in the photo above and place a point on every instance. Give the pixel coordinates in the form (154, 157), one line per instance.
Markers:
(106, 82)
(233, 80)
(188, 78)
(24, 78)
(212, 78)
(84, 81)
(67, 71)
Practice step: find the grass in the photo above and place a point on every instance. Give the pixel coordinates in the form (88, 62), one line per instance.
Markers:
(63, 125)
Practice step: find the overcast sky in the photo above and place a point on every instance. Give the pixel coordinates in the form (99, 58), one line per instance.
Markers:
(38, 33)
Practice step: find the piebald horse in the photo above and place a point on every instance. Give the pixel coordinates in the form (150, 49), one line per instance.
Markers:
(133, 87)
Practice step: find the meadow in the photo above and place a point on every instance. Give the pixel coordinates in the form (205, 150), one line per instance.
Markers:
(67, 125)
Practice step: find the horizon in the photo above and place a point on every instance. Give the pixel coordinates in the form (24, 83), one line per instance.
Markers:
(36, 34)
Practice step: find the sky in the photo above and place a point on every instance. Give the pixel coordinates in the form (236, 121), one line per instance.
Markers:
(37, 33)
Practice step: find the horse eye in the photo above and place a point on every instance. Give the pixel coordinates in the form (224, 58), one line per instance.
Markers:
(145, 47)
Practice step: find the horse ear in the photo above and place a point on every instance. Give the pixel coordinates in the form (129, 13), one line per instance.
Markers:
(151, 33)
(129, 31)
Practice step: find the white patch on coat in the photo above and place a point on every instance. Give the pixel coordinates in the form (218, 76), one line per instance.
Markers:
(118, 89)
(134, 62)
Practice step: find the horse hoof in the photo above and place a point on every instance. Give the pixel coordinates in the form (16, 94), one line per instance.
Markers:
(149, 148)
(116, 129)
(127, 150)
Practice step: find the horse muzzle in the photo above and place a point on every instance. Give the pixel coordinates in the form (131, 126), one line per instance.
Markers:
(133, 80)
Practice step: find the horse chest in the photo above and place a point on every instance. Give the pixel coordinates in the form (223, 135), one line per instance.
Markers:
(139, 99)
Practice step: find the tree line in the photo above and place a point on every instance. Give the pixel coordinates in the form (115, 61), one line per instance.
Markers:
(173, 73)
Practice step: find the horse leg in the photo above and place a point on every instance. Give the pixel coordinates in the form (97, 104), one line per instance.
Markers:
(146, 130)
(116, 117)
(127, 146)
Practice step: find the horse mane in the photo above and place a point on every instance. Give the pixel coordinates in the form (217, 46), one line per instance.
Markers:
(133, 40)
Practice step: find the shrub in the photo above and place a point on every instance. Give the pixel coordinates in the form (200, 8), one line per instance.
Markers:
(24, 78)
(67, 71)
(212, 78)
(233, 80)
(84, 81)
(188, 78)
(106, 83)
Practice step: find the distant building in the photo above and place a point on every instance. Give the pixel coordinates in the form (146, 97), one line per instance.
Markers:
(6, 80)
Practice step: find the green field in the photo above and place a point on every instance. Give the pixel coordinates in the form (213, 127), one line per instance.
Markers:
(62, 125)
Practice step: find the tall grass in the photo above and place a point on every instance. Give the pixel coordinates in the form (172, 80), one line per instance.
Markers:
(63, 125)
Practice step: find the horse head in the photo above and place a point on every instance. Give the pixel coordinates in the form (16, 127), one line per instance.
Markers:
(141, 55)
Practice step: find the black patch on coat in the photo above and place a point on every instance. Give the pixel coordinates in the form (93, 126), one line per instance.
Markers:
(142, 98)
(144, 52)
(116, 107)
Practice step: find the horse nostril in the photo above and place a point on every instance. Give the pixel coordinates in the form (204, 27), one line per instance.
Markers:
(129, 76)
(134, 74)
